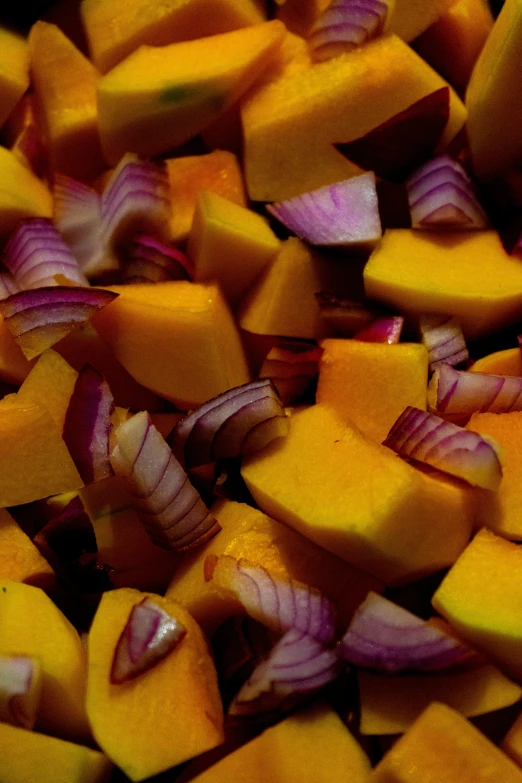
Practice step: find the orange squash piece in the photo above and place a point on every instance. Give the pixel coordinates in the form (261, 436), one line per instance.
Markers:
(20, 560)
(14, 71)
(299, 15)
(411, 17)
(512, 742)
(22, 194)
(165, 716)
(14, 367)
(50, 384)
(506, 362)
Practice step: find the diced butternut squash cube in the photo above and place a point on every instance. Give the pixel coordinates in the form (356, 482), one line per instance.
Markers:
(443, 746)
(411, 17)
(31, 624)
(421, 272)
(481, 596)
(370, 384)
(217, 171)
(160, 97)
(359, 500)
(14, 71)
(512, 742)
(118, 28)
(50, 384)
(506, 362)
(14, 367)
(164, 716)
(20, 560)
(229, 244)
(27, 756)
(65, 87)
(22, 194)
(178, 339)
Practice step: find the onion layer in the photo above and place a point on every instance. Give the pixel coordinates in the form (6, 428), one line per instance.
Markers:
(347, 316)
(430, 439)
(382, 330)
(8, 285)
(443, 339)
(457, 394)
(292, 366)
(153, 261)
(20, 686)
(346, 24)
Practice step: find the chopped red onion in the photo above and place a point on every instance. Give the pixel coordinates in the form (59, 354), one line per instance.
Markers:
(169, 507)
(8, 285)
(345, 214)
(277, 601)
(442, 196)
(149, 636)
(386, 637)
(40, 317)
(153, 261)
(298, 664)
(28, 147)
(457, 394)
(36, 253)
(444, 341)
(443, 445)
(347, 316)
(382, 330)
(239, 421)
(292, 366)
(344, 25)
(17, 673)
(87, 425)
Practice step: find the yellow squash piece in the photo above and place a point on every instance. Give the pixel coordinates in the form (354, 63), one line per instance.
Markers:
(465, 274)
(160, 97)
(65, 88)
(512, 742)
(20, 560)
(506, 362)
(50, 384)
(359, 500)
(164, 716)
(14, 71)
(299, 15)
(22, 194)
(14, 367)
(411, 17)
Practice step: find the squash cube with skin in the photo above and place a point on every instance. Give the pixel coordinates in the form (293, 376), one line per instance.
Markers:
(22, 194)
(229, 244)
(370, 384)
(20, 560)
(160, 97)
(359, 500)
(178, 339)
(14, 71)
(166, 715)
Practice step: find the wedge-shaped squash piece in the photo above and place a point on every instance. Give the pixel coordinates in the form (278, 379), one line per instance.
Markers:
(494, 97)
(65, 87)
(421, 272)
(14, 71)
(31, 624)
(291, 124)
(20, 560)
(443, 746)
(161, 97)
(178, 339)
(14, 367)
(166, 715)
(506, 362)
(512, 742)
(311, 746)
(114, 30)
(22, 194)
(358, 500)
(411, 17)
(27, 756)
(229, 244)
(370, 384)
(249, 534)
(389, 705)
(50, 384)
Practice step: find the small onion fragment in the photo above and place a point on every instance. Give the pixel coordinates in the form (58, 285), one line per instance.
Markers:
(298, 664)
(20, 687)
(87, 425)
(345, 214)
(277, 601)
(344, 25)
(40, 317)
(443, 445)
(36, 253)
(442, 197)
(457, 394)
(169, 507)
(444, 341)
(347, 316)
(153, 261)
(149, 636)
(386, 637)
(382, 330)
(292, 367)
(8, 285)
(239, 421)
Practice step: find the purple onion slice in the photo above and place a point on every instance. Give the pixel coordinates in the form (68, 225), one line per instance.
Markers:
(149, 636)
(443, 445)
(345, 214)
(169, 507)
(36, 253)
(87, 425)
(153, 261)
(20, 687)
(382, 330)
(277, 601)
(444, 341)
(40, 317)
(239, 421)
(457, 394)
(292, 366)
(8, 285)
(344, 25)
(386, 637)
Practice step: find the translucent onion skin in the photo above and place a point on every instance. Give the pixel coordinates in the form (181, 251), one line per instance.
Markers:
(345, 214)
(276, 601)
(457, 394)
(149, 636)
(153, 261)
(444, 341)
(236, 422)
(292, 366)
(385, 637)
(344, 25)
(17, 673)
(169, 507)
(382, 330)
(443, 445)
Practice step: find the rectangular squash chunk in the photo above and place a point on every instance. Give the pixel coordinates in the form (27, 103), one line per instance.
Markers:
(14, 71)
(20, 560)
